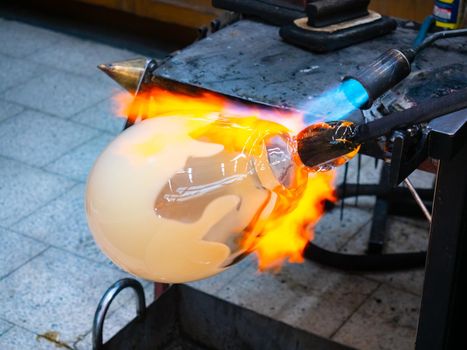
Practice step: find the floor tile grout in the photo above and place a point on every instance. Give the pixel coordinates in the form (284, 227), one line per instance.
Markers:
(378, 285)
(360, 228)
(369, 278)
(66, 190)
(43, 167)
(20, 82)
(65, 177)
(25, 263)
(89, 78)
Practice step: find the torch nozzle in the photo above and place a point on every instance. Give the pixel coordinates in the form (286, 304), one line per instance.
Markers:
(384, 73)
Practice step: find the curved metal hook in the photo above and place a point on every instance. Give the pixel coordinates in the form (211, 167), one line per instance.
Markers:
(104, 304)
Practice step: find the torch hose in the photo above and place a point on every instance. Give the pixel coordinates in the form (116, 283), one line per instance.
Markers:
(440, 35)
(421, 113)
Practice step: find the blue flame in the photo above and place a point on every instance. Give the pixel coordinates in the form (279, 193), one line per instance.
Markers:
(336, 104)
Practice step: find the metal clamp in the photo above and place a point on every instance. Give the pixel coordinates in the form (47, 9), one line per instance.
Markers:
(104, 304)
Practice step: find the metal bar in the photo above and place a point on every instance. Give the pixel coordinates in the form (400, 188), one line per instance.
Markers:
(359, 169)
(417, 198)
(104, 304)
(344, 186)
(398, 194)
(443, 306)
(380, 215)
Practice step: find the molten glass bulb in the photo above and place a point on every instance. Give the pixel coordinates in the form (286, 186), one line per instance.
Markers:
(176, 199)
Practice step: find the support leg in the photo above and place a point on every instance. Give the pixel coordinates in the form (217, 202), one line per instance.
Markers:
(443, 307)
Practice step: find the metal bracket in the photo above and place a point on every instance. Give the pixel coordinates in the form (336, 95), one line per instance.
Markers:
(410, 149)
(104, 304)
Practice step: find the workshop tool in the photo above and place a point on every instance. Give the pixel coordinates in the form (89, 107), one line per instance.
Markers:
(377, 78)
(334, 24)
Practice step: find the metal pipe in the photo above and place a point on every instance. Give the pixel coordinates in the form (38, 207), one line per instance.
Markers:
(421, 113)
(417, 198)
(104, 304)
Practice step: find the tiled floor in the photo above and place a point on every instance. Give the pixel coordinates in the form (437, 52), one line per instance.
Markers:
(55, 118)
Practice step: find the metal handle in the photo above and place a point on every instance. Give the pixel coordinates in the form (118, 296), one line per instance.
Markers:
(104, 304)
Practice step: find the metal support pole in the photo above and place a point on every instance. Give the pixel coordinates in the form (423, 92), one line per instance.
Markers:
(443, 307)
(380, 215)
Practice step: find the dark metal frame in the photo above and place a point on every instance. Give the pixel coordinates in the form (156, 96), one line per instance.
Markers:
(443, 307)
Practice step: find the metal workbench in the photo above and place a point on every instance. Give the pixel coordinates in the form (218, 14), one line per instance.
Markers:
(249, 60)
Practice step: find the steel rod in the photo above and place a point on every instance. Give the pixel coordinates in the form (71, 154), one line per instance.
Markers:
(417, 198)
(424, 112)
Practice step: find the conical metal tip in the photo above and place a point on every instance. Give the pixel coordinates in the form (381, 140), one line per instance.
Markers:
(104, 67)
(127, 74)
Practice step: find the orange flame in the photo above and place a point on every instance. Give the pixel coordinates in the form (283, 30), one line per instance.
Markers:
(158, 102)
(284, 234)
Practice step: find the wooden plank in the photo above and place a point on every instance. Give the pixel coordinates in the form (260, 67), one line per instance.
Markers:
(172, 13)
(123, 5)
(188, 13)
(415, 10)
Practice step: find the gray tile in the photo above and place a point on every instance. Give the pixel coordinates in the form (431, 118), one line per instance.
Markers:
(102, 116)
(8, 109)
(20, 40)
(59, 93)
(80, 56)
(387, 320)
(23, 189)
(15, 71)
(304, 295)
(37, 139)
(77, 163)
(62, 223)
(21, 339)
(402, 236)
(15, 250)
(56, 292)
(332, 233)
(4, 326)
(214, 284)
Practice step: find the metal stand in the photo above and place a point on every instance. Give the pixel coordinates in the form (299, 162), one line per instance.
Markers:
(443, 308)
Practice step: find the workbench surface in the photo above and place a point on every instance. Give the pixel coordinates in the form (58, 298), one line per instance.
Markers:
(249, 60)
